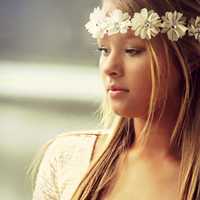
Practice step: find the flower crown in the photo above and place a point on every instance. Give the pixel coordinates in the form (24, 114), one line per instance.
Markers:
(146, 24)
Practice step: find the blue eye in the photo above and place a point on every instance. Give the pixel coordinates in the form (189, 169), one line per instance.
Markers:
(103, 50)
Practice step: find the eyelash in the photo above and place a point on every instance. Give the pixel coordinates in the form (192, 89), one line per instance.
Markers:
(102, 50)
(129, 51)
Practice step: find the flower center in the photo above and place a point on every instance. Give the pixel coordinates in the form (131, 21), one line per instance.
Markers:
(174, 26)
(147, 24)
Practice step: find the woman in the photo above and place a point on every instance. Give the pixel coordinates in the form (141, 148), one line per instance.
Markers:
(150, 68)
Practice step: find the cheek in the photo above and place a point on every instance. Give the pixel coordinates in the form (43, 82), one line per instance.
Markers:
(140, 85)
(139, 78)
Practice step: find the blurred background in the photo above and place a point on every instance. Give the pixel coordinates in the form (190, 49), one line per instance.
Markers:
(49, 82)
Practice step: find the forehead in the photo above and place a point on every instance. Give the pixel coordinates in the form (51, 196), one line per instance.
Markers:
(122, 38)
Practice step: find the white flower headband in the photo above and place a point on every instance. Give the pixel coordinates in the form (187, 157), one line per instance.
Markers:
(146, 24)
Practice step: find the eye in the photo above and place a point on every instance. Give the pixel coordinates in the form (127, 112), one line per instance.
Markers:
(133, 51)
(104, 51)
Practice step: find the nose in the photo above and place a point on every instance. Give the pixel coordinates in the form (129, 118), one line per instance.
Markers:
(112, 65)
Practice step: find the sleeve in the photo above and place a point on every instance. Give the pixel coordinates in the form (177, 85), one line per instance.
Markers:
(64, 163)
(46, 187)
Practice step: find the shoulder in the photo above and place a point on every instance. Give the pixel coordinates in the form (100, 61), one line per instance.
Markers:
(79, 138)
(74, 137)
(71, 152)
(73, 143)
(67, 148)
(86, 133)
(63, 160)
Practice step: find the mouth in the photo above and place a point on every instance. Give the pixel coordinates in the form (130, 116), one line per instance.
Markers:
(117, 92)
(115, 88)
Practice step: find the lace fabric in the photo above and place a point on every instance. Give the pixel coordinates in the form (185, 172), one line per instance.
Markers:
(64, 164)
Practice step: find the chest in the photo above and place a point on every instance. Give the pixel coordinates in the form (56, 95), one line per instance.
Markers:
(141, 190)
(145, 183)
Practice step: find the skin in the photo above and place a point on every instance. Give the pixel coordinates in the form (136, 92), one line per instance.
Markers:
(157, 166)
(121, 64)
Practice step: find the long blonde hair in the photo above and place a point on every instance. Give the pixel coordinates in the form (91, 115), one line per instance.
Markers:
(100, 177)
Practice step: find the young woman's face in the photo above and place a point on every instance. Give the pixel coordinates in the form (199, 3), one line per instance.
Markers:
(124, 63)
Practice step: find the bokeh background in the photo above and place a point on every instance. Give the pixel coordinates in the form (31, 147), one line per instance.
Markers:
(49, 82)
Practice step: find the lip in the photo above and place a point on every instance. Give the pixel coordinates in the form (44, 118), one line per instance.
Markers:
(116, 88)
(117, 93)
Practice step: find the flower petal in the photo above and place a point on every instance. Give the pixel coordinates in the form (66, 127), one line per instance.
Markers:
(172, 35)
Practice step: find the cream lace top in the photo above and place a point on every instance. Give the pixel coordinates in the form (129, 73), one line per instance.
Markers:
(64, 163)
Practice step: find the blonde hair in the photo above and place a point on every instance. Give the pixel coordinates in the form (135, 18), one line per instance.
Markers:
(100, 177)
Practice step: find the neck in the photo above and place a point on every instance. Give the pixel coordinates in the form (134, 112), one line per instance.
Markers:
(158, 142)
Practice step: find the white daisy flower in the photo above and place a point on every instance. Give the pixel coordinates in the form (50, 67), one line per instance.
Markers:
(97, 23)
(174, 25)
(146, 24)
(194, 28)
(118, 22)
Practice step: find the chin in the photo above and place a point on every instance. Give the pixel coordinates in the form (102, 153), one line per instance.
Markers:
(123, 113)
(128, 113)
